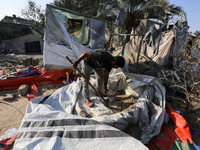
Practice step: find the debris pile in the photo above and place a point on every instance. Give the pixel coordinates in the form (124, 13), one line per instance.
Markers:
(10, 63)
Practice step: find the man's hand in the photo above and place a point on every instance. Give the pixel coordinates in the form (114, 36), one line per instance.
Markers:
(106, 92)
(75, 65)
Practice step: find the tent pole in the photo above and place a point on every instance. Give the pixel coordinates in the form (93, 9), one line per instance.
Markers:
(122, 54)
(139, 53)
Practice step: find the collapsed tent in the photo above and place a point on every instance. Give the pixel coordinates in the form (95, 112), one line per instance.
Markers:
(153, 41)
(55, 122)
(159, 43)
(69, 34)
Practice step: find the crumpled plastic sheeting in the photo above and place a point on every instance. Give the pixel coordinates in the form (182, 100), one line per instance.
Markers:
(150, 125)
(160, 51)
(51, 125)
(148, 114)
(158, 43)
(150, 94)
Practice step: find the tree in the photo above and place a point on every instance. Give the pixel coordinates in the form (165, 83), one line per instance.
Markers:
(137, 9)
(147, 9)
(87, 7)
(33, 12)
(197, 34)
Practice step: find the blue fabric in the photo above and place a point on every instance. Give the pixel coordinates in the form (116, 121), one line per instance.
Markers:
(30, 71)
(194, 132)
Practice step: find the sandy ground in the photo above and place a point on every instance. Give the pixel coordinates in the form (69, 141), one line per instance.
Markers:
(12, 113)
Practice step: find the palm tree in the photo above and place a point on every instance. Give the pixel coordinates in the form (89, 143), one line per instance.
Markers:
(108, 8)
(87, 7)
(197, 34)
(148, 9)
(136, 9)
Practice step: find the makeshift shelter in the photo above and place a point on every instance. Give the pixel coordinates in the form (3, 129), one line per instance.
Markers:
(158, 42)
(70, 34)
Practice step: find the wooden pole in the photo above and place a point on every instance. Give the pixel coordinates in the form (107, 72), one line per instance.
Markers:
(86, 79)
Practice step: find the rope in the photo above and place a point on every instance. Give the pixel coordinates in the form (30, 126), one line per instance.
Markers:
(12, 106)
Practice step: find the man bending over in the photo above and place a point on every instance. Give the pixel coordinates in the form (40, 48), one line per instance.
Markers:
(101, 62)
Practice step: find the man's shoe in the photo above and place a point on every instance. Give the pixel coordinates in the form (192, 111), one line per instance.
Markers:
(89, 103)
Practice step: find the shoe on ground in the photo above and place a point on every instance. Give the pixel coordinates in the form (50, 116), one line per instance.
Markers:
(89, 103)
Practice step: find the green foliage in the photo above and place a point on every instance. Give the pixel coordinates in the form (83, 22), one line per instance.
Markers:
(138, 9)
(88, 7)
(34, 13)
(197, 34)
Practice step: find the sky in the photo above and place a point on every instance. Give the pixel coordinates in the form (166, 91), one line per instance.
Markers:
(191, 8)
(10, 7)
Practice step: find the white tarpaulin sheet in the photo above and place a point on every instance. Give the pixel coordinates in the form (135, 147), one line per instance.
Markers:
(58, 43)
(55, 122)
(160, 55)
(159, 43)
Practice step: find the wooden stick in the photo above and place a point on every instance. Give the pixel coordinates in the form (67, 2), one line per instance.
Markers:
(86, 79)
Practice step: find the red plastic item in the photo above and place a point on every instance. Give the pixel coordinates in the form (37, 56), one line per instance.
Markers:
(46, 77)
(181, 128)
(164, 140)
(34, 93)
(8, 142)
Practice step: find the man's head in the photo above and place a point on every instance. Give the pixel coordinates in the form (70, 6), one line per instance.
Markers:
(119, 61)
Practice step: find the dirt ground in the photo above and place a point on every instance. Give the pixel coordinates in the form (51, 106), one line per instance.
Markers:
(12, 111)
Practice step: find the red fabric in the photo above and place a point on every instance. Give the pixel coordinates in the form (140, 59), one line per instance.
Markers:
(12, 140)
(5, 147)
(5, 140)
(181, 128)
(34, 89)
(31, 96)
(165, 139)
(46, 77)
(8, 142)
(34, 93)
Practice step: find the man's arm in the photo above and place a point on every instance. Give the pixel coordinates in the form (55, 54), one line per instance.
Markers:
(81, 57)
(106, 82)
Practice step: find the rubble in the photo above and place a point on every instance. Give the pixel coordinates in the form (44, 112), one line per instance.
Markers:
(8, 97)
(23, 89)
